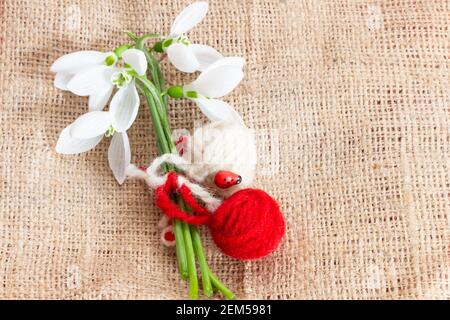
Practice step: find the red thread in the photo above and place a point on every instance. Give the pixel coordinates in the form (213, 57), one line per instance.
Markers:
(172, 210)
(248, 225)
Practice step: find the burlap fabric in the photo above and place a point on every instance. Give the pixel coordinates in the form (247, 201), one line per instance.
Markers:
(350, 102)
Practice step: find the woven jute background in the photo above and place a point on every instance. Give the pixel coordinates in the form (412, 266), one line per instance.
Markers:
(350, 102)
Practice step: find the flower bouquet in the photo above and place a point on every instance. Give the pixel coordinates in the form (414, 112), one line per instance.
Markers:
(201, 179)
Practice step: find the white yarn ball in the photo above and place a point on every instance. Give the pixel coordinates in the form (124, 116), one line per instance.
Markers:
(221, 146)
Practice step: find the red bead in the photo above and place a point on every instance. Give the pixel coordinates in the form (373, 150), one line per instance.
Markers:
(169, 236)
(226, 179)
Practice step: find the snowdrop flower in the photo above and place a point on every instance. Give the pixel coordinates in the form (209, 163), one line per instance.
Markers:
(97, 81)
(87, 131)
(216, 81)
(94, 65)
(84, 73)
(184, 55)
(124, 105)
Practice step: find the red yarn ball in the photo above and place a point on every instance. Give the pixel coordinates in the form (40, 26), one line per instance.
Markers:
(248, 225)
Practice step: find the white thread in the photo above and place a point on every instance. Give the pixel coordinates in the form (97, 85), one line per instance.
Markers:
(211, 202)
(163, 222)
(135, 172)
(217, 146)
(221, 146)
(154, 180)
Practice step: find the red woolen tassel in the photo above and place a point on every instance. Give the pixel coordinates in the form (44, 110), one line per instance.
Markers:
(247, 225)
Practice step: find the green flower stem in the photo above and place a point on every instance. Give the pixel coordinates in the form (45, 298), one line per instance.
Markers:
(166, 144)
(164, 148)
(164, 165)
(185, 230)
(187, 238)
(160, 110)
(152, 62)
(180, 248)
(143, 85)
(220, 286)
(198, 248)
(193, 281)
(155, 70)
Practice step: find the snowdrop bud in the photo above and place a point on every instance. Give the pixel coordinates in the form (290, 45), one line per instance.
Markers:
(167, 43)
(192, 94)
(110, 60)
(175, 92)
(158, 47)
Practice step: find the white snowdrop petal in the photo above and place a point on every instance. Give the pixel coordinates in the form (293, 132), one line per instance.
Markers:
(182, 57)
(90, 80)
(218, 110)
(69, 145)
(75, 61)
(236, 62)
(189, 18)
(216, 82)
(62, 79)
(119, 156)
(124, 107)
(205, 55)
(136, 59)
(99, 99)
(91, 124)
